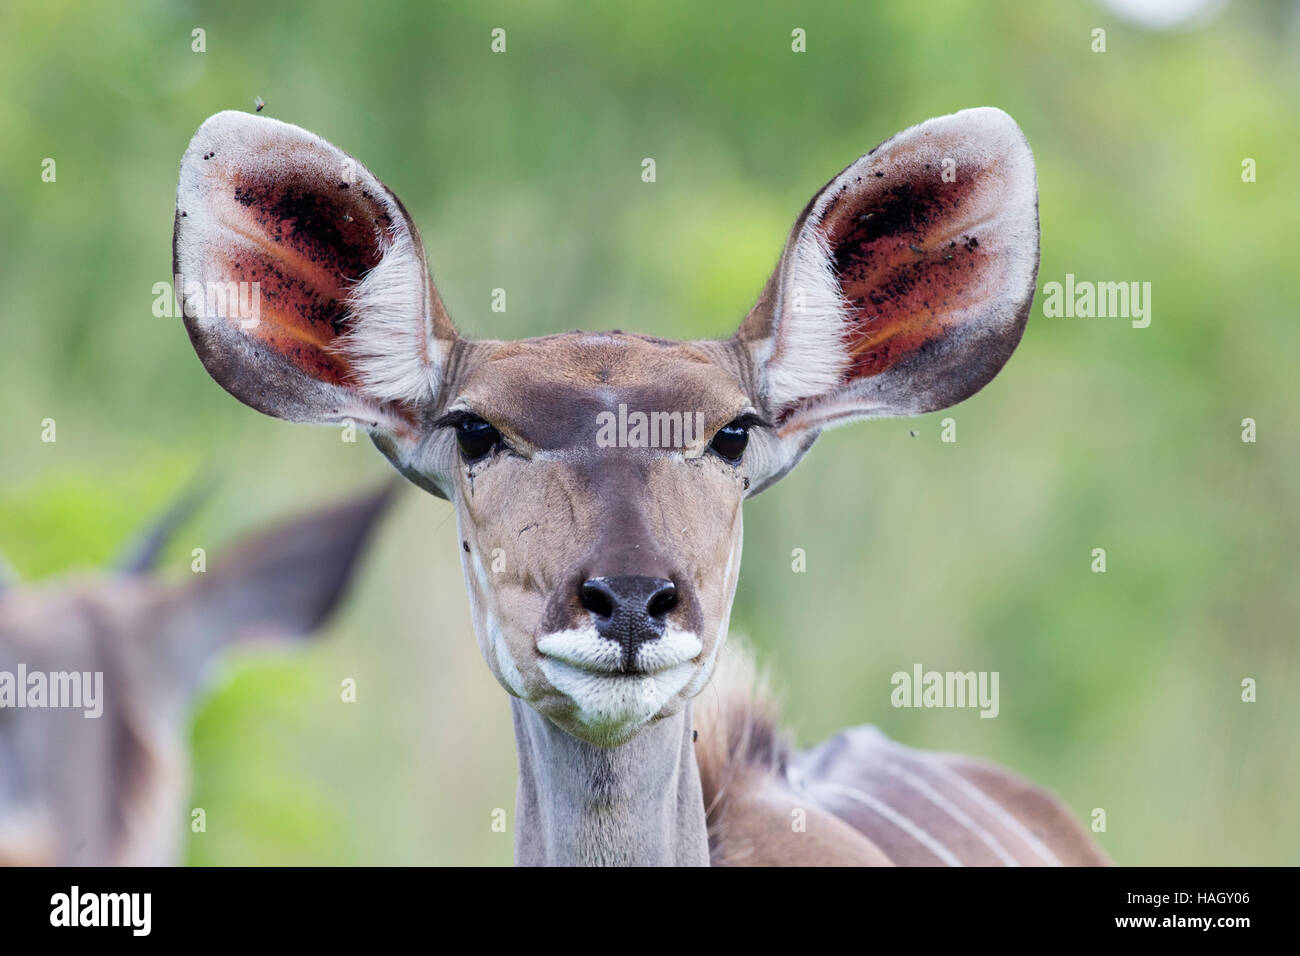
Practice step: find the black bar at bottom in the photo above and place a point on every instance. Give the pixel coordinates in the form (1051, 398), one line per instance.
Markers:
(303, 905)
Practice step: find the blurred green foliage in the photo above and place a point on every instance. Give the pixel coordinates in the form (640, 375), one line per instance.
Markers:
(1121, 691)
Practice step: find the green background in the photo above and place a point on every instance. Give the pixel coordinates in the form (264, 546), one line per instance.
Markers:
(1121, 691)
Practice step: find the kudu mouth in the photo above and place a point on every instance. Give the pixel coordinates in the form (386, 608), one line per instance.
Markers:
(631, 647)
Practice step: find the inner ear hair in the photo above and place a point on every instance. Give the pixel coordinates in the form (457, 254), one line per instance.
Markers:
(907, 280)
(346, 323)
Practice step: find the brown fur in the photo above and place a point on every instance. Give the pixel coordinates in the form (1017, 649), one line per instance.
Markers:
(758, 792)
(739, 739)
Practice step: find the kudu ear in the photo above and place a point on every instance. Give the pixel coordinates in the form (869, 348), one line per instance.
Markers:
(906, 281)
(280, 583)
(337, 318)
(142, 553)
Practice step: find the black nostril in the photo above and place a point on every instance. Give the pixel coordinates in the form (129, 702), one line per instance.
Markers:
(634, 603)
(596, 597)
(663, 600)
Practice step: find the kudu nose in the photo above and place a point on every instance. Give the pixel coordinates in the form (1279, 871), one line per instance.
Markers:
(629, 609)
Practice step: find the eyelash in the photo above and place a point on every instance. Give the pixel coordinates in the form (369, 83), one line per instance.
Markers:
(476, 437)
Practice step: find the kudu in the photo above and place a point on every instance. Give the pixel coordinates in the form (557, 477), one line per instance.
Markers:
(600, 535)
(104, 782)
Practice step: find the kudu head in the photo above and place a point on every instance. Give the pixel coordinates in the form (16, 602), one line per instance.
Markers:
(598, 478)
(97, 676)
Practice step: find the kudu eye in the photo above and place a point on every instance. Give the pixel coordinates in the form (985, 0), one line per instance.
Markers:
(476, 438)
(731, 439)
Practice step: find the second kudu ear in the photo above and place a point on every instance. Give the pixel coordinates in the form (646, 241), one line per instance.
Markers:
(306, 291)
(283, 582)
(906, 282)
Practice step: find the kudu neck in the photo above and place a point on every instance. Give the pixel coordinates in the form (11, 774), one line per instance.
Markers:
(638, 804)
